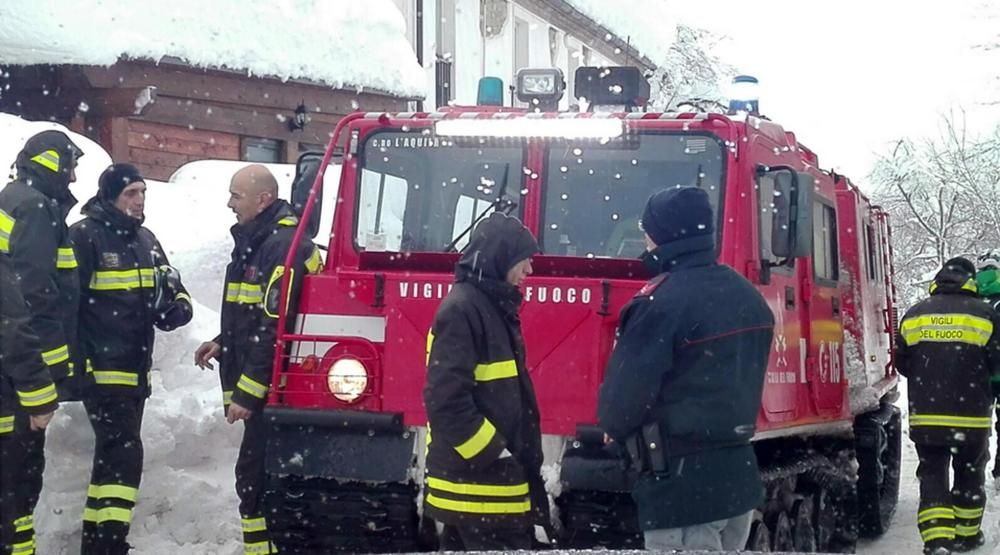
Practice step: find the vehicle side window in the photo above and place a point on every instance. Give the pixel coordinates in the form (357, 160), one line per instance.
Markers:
(380, 212)
(826, 263)
(772, 217)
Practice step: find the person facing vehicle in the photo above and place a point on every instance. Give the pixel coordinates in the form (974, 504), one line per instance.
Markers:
(33, 233)
(484, 456)
(683, 385)
(245, 349)
(129, 289)
(948, 348)
(988, 283)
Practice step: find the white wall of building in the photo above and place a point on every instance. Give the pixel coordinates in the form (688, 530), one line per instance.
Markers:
(476, 56)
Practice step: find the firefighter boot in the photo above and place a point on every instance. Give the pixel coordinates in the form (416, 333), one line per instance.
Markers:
(931, 548)
(961, 545)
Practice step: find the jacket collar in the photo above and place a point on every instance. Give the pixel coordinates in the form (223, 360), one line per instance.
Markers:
(684, 253)
(108, 214)
(253, 233)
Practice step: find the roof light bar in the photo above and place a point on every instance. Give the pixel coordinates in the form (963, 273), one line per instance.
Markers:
(569, 128)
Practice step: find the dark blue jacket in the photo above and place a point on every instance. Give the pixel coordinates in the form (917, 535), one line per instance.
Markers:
(691, 356)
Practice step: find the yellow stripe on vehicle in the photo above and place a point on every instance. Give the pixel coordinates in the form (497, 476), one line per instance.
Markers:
(56, 356)
(48, 160)
(107, 514)
(115, 377)
(66, 259)
(252, 387)
(486, 490)
(6, 229)
(38, 397)
(946, 328)
(496, 371)
(251, 525)
(479, 440)
(6, 424)
(244, 293)
(477, 507)
(949, 421)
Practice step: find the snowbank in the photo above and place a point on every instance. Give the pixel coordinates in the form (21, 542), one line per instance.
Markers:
(343, 44)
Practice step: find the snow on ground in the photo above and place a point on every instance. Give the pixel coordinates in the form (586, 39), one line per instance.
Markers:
(288, 39)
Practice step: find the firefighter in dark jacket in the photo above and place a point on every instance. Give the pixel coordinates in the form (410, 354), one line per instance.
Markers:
(683, 386)
(484, 438)
(948, 347)
(245, 348)
(27, 402)
(128, 289)
(33, 233)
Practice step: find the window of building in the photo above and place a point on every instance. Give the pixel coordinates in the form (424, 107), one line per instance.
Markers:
(444, 67)
(268, 151)
(825, 256)
(522, 45)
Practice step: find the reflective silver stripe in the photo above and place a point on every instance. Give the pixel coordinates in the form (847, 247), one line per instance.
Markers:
(115, 377)
(56, 356)
(38, 397)
(252, 387)
(6, 424)
(112, 280)
(6, 228)
(65, 259)
(244, 293)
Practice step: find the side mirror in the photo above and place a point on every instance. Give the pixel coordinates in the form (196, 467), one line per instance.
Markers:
(306, 170)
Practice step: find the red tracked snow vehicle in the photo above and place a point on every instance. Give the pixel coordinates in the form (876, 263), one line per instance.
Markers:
(345, 456)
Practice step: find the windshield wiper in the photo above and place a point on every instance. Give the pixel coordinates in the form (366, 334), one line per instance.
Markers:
(502, 204)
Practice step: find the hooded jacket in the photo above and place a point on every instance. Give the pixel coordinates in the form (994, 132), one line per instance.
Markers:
(988, 283)
(484, 435)
(252, 301)
(118, 259)
(33, 233)
(691, 365)
(25, 384)
(948, 347)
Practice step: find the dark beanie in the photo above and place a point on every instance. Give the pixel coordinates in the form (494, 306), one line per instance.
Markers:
(115, 179)
(678, 213)
(961, 266)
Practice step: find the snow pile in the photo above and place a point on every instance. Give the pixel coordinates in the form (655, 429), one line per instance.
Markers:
(651, 34)
(343, 44)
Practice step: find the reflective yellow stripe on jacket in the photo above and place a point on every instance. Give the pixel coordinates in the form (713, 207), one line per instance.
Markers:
(122, 280)
(115, 377)
(48, 160)
(496, 371)
(479, 440)
(38, 397)
(6, 229)
(244, 293)
(66, 259)
(251, 387)
(951, 421)
(56, 356)
(946, 328)
(6, 424)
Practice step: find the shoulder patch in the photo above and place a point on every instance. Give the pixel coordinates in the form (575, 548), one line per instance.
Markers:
(652, 284)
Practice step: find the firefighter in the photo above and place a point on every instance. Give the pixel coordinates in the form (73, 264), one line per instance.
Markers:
(484, 437)
(28, 400)
(683, 386)
(988, 283)
(245, 348)
(948, 347)
(33, 211)
(128, 288)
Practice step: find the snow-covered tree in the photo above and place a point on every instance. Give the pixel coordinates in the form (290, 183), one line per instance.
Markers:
(690, 72)
(943, 195)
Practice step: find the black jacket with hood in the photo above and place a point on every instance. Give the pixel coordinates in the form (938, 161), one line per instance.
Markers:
(33, 210)
(484, 440)
(251, 301)
(690, 360)
(948, 347)
(25, 384)
(118, 261)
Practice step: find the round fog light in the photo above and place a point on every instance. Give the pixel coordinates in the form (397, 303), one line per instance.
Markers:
(347, 379)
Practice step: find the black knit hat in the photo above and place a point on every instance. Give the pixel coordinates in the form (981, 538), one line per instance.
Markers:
(959, 265)
(115, 179)
(678, 213)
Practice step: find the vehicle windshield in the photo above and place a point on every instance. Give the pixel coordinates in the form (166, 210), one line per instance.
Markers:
(595, 193)
(420, 192)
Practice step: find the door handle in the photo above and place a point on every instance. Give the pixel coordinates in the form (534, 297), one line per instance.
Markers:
(789, 298)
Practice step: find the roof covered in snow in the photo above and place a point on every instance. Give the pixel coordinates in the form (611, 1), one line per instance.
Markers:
(647, 25)
(352, 45)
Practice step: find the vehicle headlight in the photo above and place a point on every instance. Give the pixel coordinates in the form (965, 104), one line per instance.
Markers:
(347, 379)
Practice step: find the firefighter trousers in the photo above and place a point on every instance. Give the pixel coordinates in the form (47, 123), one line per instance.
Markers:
(115, 476)
(485, 538)
(951, 511)
(22, 463)
(996, 424)
(251, 478)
